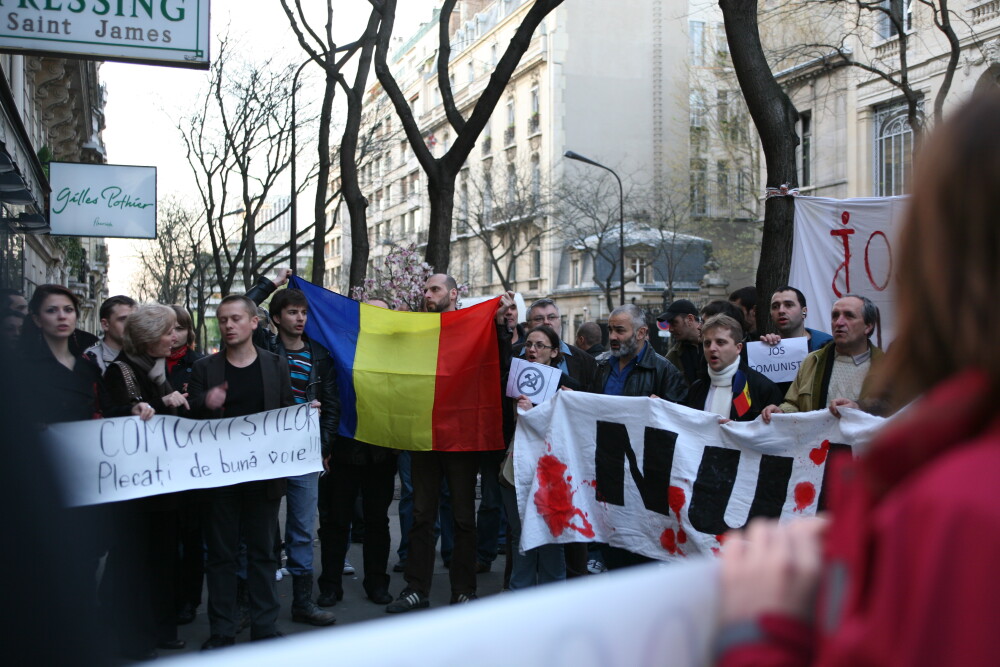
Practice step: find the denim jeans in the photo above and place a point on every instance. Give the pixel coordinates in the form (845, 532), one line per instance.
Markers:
(534, 567)
(301, 507)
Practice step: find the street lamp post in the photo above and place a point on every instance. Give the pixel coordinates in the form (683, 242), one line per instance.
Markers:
(621, 219)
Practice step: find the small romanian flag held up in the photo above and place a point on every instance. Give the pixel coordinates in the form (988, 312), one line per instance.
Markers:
(414, 381)
(741, 394)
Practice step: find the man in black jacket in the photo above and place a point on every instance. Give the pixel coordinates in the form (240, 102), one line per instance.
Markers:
(311, 373)
(634, 369)
(243, 379)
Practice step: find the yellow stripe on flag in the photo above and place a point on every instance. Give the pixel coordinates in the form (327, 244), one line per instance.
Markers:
(395, 368)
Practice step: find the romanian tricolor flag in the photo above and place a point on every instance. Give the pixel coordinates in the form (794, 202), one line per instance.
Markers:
(741, 394)
(415, 381)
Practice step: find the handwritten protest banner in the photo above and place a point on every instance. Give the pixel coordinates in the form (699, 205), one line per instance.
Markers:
(663, 480)
(108, 460)
(778, 363)
(845, 246)
(536, 381)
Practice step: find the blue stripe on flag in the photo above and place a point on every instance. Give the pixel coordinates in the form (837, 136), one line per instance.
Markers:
(334, 322)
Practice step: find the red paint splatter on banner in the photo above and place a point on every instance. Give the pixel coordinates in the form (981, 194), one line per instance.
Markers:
(716, 550)
(818, 455)
(668, 540)
(721, 539)
(681, 536)
(554, 499)
(805, 495)
(845, 218)
(676, 498)
(570, 478)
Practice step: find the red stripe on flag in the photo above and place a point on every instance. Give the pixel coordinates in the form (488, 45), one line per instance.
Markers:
(467, 412)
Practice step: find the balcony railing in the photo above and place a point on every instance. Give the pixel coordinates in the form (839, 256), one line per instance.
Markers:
(487, 145)
(535, 122)
(508, 136)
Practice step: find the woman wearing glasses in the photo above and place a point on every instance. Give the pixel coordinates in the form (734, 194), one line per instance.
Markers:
(546, 563)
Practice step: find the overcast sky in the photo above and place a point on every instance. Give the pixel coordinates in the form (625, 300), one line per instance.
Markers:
(144, 101)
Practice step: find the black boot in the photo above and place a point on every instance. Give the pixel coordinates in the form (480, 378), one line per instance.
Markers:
(304, 610)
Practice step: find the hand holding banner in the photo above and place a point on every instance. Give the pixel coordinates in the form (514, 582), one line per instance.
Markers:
(107, 460)
(538, 382)
(778, 363)
(663, 480)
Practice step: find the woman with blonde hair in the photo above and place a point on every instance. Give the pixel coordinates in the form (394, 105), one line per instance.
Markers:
(142, 561)
(905, 571)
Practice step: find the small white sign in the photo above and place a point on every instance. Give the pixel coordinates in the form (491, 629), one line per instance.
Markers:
(102, 200)
(159, 32)
(536, 381)
(778, 363)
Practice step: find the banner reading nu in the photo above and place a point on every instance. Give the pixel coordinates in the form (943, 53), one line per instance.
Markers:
(107, 460)
(663, 480)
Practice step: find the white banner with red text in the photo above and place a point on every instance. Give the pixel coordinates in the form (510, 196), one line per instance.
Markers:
(844, 246)
(107, 460)
(663, 480)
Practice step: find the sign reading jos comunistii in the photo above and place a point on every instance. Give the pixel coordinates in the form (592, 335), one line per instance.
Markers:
(161, 32)
(102, 200)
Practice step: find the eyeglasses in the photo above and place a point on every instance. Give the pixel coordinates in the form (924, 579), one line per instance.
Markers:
(551, 317)
(537, 346)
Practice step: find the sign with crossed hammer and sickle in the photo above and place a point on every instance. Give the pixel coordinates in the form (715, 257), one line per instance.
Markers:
(536, 381)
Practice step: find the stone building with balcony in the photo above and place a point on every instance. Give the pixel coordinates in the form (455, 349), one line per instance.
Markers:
(856, 139)
(602, 78)
(52, 109)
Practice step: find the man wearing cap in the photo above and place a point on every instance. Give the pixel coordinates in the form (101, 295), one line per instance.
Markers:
(685, 339)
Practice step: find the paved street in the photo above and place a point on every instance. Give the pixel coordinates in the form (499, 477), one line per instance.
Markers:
(355, 607)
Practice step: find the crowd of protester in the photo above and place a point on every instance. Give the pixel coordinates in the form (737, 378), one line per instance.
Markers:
(168, 547)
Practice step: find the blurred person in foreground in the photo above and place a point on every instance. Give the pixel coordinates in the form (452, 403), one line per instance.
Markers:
(902, 574)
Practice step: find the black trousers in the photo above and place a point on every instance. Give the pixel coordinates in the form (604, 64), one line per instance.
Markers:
(428, 469)
(338, 491)
(191, 557)
(245, 510)
(140, 576)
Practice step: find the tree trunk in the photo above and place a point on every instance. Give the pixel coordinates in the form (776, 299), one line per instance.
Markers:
(323, 180)
(775, 117)
(441, 189)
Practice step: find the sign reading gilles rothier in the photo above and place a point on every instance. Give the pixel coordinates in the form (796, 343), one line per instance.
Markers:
(160, 32)
(102, 200)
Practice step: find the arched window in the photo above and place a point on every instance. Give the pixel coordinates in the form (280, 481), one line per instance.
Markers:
(893, 150)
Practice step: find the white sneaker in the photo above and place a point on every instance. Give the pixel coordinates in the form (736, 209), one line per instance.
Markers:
(278, 575)
(348, 568)
(595, 566)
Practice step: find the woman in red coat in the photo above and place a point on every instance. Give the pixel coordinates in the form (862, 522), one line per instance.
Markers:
(905, 572)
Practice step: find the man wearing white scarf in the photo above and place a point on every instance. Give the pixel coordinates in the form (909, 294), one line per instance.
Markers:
(732, 390)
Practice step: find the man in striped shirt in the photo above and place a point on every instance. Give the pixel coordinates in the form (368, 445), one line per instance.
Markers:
(310, 370)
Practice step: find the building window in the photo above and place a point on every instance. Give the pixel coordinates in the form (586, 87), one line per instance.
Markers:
(536, 262)
(699, 167)
(640, 267)
(487, 196)
(805, 118)
(721, 43)
(722, 186)
(511, 186)
(697, 55)
(894, 13)
(463, 209)
(471, 71)
(536, 181)
(698, 109)
(574, 271)
(893, 150)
